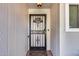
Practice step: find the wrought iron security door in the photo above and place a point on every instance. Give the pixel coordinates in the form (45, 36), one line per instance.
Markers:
(37, 26)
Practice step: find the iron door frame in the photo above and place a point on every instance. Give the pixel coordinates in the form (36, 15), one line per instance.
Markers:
(30, 30)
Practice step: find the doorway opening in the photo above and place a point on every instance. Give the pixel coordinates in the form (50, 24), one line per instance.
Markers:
(37, 31)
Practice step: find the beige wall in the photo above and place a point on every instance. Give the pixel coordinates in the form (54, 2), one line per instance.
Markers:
(14, 22)
(17, 32)
(3, 30)
(55, 41)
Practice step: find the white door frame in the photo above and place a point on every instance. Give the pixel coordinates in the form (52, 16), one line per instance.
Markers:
(42, 11)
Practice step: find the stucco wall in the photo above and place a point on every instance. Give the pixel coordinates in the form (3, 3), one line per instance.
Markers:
(17, 29)
(3, 30)
(69, 41)
(13, 22)
(55, 41)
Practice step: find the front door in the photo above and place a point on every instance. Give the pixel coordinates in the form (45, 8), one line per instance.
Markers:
(37, 31)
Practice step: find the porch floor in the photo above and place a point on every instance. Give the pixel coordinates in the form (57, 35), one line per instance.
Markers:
(39, 53)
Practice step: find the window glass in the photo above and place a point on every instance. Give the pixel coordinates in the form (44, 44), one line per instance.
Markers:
(73, 16)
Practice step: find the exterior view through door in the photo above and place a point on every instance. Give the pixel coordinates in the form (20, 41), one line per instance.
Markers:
(37, 31)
